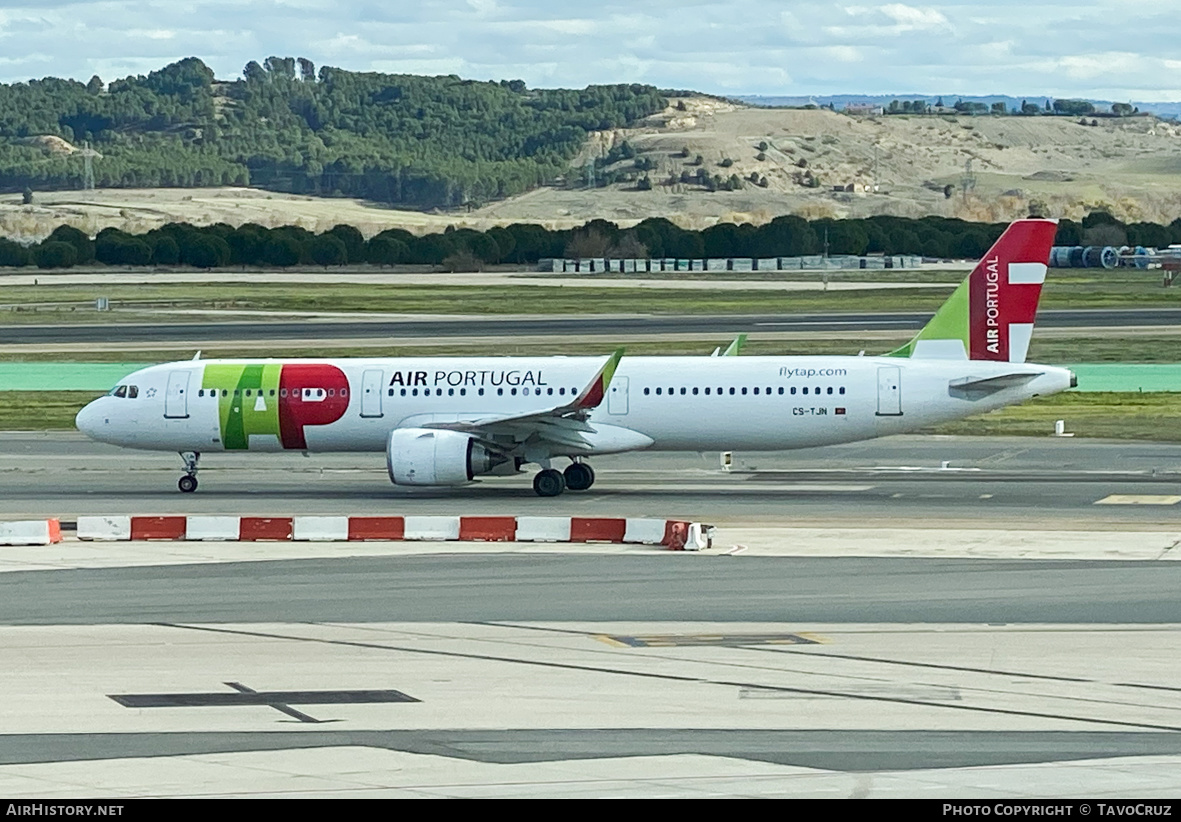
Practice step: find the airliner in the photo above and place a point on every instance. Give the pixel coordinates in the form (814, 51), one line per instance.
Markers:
(443, 421)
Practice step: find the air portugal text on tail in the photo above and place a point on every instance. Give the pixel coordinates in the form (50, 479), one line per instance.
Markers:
(451, 420)
(990, 316)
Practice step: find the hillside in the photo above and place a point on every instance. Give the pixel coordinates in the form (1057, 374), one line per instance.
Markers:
(1130, 167)
(395, 139)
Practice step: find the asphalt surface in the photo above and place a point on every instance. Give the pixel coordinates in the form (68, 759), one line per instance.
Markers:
(571, 588)
(572, 326)
(918, 480)
(922, 665)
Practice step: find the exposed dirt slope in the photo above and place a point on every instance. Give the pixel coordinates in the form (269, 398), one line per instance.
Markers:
(1131, 167)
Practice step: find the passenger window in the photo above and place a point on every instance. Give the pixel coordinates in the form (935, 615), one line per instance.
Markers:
(731, 391)
(481, 392)
(524, 391)
(344, 392)
(331, 392)
(756, 390)
(682, 392)
(414, 392)
(842, 389)
(695, 392)
(781, 390)
(391, 392)
(817, 391)
(793, 389)
(805, 389)
(201, 393)
(450, 392)
(562, 392)
(463, 392)
(549, 391)
(658, 392)
(237, 391)
(829, 389)
(707, 391)
(225, 392)
(500, 392)
(646, 391)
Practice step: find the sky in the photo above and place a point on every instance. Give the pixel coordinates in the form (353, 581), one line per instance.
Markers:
(1099, 49)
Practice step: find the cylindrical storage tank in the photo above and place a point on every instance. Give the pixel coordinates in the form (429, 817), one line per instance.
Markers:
(1108, 257)
(1091, 256)
(1076, 256)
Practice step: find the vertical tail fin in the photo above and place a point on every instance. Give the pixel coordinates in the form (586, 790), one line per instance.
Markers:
(990, 315)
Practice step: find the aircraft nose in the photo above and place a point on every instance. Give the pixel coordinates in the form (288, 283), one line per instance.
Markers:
(89, 420)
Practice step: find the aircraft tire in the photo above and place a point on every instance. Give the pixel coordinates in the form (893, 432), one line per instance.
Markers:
(579, 476)
(187, 484)
(549, 483)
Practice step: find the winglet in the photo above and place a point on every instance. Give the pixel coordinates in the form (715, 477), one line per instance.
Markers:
(594, 392)
(735, 348)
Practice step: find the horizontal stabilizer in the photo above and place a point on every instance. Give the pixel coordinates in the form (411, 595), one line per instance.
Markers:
(976, 387)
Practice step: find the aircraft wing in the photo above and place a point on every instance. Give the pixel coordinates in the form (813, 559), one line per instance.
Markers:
(562, 424)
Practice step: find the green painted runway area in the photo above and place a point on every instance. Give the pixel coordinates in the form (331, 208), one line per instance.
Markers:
(64, 376)
(1128, 377)
(81, 376)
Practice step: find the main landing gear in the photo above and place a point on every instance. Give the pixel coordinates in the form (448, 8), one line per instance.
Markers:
(188, 483)
(550, 482)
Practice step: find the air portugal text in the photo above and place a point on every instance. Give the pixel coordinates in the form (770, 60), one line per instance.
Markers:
(992, 305)
(474, 378)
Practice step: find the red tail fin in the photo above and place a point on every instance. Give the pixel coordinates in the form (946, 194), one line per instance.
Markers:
(1003, 291)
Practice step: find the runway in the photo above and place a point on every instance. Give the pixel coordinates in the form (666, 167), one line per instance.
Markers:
(596, 671)
(1036, 483)
(280, 327)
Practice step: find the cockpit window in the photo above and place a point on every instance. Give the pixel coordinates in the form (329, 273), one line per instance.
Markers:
(132, 392)
(124, 391)
(121, 391)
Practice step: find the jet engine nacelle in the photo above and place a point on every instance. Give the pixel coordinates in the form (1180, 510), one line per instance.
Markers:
(425, 456)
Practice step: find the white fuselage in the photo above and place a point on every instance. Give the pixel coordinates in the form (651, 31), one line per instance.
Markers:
(661, 403)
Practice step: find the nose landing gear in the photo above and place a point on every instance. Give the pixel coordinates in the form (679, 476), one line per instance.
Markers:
(188, 483)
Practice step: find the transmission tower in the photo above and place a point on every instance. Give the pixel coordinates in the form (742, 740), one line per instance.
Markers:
(968, 181)
(88, 154)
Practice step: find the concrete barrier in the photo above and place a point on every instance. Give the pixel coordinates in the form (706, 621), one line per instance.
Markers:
(223, 528)
(30, 532)
(676, 535)
(543, 529)
(104, 528)
(321, 529)
(432, 528)
(645, 531)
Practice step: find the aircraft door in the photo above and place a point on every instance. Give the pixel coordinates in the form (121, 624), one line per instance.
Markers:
(371, 386)
(176, 397)
(617, 396)
(890, 391)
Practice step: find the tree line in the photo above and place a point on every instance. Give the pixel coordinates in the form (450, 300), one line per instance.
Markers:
(459, 249)
(405, 139)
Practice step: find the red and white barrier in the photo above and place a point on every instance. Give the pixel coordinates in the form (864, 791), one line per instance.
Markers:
(678, 535)
(31, 532)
